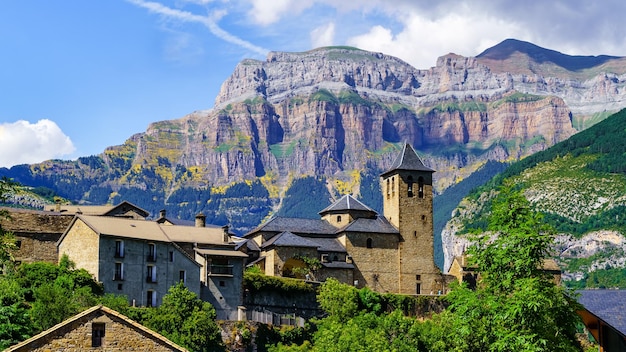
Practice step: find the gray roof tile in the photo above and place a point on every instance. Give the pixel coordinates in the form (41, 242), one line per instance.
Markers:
(408, 160)
(347, 202)
(378, 225)
(608, 305)
(288, 239)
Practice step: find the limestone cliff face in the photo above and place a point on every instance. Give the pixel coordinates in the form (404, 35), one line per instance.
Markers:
(334, 110)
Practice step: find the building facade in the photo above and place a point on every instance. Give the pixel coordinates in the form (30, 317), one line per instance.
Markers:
(389, 253)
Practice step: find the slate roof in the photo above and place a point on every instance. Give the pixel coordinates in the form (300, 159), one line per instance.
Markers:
(338, 265)
(288, 239)
(608, 305)
(98, 209)
(408, 160)
(378, 225)
(347, 202)
(296, 225)
(327, 244)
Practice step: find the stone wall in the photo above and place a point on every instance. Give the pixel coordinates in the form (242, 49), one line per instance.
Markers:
(375, 267)
(81, 245)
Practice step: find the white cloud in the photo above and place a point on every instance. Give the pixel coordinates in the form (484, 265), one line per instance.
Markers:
(422, 39)
(208, 21)
(24, 143)
(323, 35)
(265, 12)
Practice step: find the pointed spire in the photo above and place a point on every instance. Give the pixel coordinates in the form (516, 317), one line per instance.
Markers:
(408, 160)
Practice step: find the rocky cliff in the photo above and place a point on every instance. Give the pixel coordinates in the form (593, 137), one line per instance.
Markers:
(338, 113)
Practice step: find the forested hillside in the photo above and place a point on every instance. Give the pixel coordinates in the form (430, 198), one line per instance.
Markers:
(580, 187)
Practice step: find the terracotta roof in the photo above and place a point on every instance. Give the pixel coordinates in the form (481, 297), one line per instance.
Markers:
(608, 305)
(346, 203)
(93, 311)
(408, 160)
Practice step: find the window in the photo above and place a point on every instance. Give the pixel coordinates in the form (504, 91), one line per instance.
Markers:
(418, 288)
(368, 243)
(151, 252)
(335, 258)
(171, 256)
(222, 283)
(151, 275)
(338, 218)
(119, 287)
(221, 266)
(410, 186)
(182, 276)
(420, 187)
(119, 249)
(97, 333)
(393, 186)
(387, 188)
(119, 272)
(18, 244)
(418, 277)
(151, 298)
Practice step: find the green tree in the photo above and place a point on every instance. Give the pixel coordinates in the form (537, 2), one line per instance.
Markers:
(15, 322)
(186, 320)
(340, 301)
(7, 239)
(516, 307)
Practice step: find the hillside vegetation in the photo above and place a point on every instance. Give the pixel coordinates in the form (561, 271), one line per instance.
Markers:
(580, 186)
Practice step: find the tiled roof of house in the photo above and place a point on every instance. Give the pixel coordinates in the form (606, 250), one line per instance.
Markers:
(192, 234)
(123, 227)
(35, 221)
(288, 239)
(296, 225)
(378, 225)
(97, 209)
(408, 160)
(608, 305)
(328, 244)
(346, 203)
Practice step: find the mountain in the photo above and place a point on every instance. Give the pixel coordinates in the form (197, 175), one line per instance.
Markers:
(579, 184)
(331, 119)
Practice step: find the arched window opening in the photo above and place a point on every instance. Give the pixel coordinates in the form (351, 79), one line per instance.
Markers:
(368, 243)
(338, 218)
(388, 191)
(410, 186)
(420, 187)
(393, 186)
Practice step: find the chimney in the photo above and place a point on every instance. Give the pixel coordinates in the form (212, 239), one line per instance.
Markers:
(226, 234)
(162, 213)
(57, 205)
(200, 220)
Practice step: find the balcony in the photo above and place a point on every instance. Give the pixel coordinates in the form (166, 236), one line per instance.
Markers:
(223, 270)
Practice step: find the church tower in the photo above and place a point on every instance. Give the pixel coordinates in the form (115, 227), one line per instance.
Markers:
(408, 205)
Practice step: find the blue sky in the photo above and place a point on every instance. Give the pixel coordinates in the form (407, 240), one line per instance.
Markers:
(77, 76)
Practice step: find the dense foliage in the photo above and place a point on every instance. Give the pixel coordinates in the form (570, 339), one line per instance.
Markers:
(516, 307)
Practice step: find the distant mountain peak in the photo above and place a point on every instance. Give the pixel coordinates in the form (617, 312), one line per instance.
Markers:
(505, 50)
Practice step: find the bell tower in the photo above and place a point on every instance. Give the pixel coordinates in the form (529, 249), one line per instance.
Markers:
(408, 205)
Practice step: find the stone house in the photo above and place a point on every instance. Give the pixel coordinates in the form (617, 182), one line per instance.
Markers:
(36, 233)
(130, 257)
(388, 253)
(97, 328)
(142, 259)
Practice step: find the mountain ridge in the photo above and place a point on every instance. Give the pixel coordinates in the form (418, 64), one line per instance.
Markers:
(337, 114)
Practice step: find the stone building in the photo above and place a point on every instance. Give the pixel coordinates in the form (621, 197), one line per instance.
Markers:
(36, 233)
(142, 259)
(97, 328)
(389, 253)
(124, 210)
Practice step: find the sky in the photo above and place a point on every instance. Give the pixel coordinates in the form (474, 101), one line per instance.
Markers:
(77, 76)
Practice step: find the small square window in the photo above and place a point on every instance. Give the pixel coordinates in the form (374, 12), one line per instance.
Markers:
(418, 277)
(222, 283)
(119, 287)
